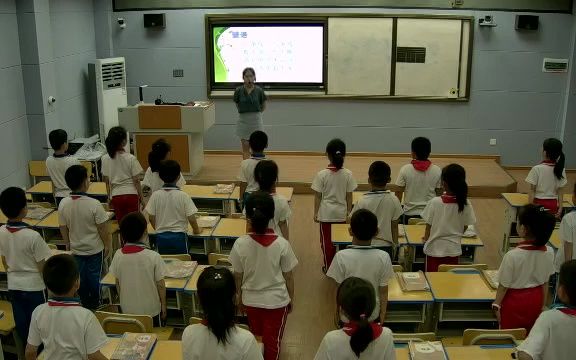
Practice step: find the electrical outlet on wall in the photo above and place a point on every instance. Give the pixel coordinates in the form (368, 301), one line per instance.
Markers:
(456, 3)
(493, 142)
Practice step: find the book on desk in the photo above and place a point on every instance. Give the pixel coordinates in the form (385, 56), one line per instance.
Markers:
(134, 346)
(426, 350)
(413, 281)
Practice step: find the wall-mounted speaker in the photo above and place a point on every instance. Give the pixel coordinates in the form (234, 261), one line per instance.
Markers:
(527, 22)
(155, 21)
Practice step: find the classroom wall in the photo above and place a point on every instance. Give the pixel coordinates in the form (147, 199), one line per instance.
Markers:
(14, 142)
(570, 102)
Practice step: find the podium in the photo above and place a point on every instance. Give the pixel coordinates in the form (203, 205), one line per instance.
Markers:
(183, 127)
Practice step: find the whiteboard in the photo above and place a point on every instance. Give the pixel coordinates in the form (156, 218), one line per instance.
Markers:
(359, 56)
(439, 74)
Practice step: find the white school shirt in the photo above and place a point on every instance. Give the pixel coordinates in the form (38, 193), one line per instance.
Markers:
(23, 250)
(336, 346)
(547, 184)
(57, 166)
(447, 227)
(171, 207)
(552, 337)
(263, 284)
(365, 262)
(153, 181)
(334, 186)
(82, 214)
(420, 187)
(567, 233)
(138, 274)
(198, 343)
(386, 206)
(282, 212)
(120, 170)
(524, 269)
(246, 174)
(67, 332)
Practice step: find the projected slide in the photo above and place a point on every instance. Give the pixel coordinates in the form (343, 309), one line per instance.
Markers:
(278, 53)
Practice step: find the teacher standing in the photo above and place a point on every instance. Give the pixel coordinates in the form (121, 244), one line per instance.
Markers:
(250, 100)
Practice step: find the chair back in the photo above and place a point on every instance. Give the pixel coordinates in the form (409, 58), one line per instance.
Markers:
(406, 338)
(37, 168)
(118, 324)
(88, 166)
(218, 259)
(397, 268)
(492, 337)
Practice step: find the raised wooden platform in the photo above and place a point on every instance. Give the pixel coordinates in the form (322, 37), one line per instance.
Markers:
(485, 176)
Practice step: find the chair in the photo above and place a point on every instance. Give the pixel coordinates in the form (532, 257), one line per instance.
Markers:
(416, 221)
(118, 324)
(88, 166)
(37, 168)
(181, 257)
(218, 259)
(477, 267)
(397, 268)
(405, 338)
(492, 337)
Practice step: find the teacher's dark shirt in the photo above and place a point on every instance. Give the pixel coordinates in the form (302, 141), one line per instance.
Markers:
(252, 102)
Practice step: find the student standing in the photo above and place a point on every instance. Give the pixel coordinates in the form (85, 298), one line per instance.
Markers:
(552, 337)
(66, 329)
(171, 210)
(84, 227)
(258, 143)
(24, 252)
(363, 261)
(250, 100)
(359, 338)
(384, 204)
(121, 172)
(548, 178)
(447, 218)
(525, 270)
(58, 163)
(419, 181)
(218, 337)
(160, 151)
(333, 199)
(266, 175)
(263, 262)
(139, 272)
(567, 234)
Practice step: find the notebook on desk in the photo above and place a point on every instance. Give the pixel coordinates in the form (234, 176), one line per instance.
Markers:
(412, 281)
(427, 350)
(178, 269)
(491, 277)
(38, 212)
(223, 188)
(135, 346)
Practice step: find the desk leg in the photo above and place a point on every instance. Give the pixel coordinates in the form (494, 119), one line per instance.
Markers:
(1, 351)
(429, 324)
(409, 258)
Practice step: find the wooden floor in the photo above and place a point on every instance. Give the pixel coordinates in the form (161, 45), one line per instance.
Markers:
(486, 177)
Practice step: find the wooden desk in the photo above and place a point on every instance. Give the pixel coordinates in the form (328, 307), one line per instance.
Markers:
(50, 222)
(402, 353)
(409, 307)
(164, 349)
(31, 222)
(226, 233)
(461, 297)
(206, 200)
(96, 189)
(479, 352)
(287, 192)
(341, 236)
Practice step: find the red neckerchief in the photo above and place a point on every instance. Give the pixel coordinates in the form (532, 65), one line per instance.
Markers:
(63, 302)
(549, 162)
(421, 165)
(529, 245)
(204, 322)
(568, 311)
(133, 248)
(351, 328)
(449, 199)
(265, 239)
(15, 226)
(332, 168)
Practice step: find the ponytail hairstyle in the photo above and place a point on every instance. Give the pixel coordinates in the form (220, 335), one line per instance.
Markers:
(538, 223)
(357, 298)
(216, 290)
(159, 152)
(336, 151)
(553, 149)
(115, 140)
(259, 210)
(266, 175)
(454, 179)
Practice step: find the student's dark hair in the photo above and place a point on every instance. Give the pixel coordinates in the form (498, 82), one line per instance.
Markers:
(133, 226)
(357, 299)
(539, 223)
(75, 176)
(259, 210)
(247, 70)
(266, 174)
(421, 147)
(12, 201)
(57, 138)
(258, 141)
(567, 279)
(553, 149)
(364, 225)
(216, 290)
(60, 273)
(336, 151)
(454, 176)
(379, 173)
(160, 149)
(169, 171)
(114, 140)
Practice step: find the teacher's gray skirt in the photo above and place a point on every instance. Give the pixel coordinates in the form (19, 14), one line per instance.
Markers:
(248, 123)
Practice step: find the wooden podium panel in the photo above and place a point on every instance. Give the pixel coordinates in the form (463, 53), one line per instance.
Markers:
(180, 148)
(160, 117)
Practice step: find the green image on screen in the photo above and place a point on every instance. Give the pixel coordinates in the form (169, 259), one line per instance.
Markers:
(220, 71)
